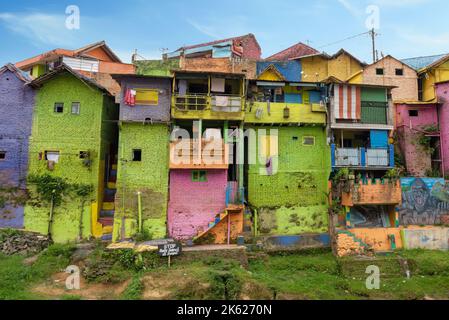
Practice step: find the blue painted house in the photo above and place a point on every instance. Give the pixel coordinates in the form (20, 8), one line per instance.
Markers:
(16, 113)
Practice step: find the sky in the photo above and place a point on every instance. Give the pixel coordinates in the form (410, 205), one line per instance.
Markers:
(405, 28)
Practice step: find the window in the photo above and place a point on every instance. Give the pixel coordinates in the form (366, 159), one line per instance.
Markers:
(76, 108)
(380, 71)
(59, 107)
(84, 154)
(52, 156)
(2, 155)
(308, 141)
(148, 97)
(413, 113)
(199, 176)
(399, 72)
(137, 155)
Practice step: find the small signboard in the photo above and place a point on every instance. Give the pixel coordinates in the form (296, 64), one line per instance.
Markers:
(169, 249)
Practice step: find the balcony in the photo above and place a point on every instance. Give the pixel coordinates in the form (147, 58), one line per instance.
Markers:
(360, 158)
(208, 107)
(264, 112)
(370, 192)
(191, 154)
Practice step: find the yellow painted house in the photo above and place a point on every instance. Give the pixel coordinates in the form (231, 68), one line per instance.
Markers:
(431, 70)
(342, 66)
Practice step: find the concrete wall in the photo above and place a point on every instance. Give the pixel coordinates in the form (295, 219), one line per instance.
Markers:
(407, 84)
(293, 200)
(193, 205)
(160, 112)
(149, 176)
(16, 109)
(436, 238)
(418, 161)
(69, 134)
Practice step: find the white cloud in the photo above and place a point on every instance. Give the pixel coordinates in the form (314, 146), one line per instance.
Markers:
(219, 27)
(40, 28)
(207, 30)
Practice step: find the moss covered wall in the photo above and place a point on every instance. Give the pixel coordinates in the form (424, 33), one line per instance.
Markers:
(69, 134)
(293, 200)
(149, 176)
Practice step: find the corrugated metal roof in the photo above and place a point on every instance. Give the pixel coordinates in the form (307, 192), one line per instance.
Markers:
(422, 62)
(290, 70)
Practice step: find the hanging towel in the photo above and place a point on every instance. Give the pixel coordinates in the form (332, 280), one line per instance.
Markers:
(222, 101)
(182, 87)
(218, 85)
(130, 97)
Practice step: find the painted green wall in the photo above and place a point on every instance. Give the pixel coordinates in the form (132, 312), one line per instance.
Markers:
(293, 200)
(374, 94)
(69, 134)
(150, 177)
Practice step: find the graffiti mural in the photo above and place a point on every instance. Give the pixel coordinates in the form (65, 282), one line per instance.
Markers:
(370, 217)
(424, 201)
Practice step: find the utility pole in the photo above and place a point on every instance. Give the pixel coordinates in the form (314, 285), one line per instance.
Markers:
(373, 35)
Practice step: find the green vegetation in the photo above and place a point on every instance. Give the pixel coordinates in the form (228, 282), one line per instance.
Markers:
(16, 278)
(308, 275)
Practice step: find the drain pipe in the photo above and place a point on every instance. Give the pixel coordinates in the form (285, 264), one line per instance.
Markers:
(50, 219)
(255, 222)
(139, 209)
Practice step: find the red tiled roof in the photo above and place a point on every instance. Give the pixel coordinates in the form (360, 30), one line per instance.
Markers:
(296, 51)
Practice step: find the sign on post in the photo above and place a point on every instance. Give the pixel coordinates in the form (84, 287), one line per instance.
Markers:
(168, 250)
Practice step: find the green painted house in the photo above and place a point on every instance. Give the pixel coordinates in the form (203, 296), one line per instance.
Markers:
(143, 158)
(73, 145)
(288, 153)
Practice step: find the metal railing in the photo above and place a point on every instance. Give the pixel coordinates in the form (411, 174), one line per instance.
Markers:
(362, 157)
(203, 102)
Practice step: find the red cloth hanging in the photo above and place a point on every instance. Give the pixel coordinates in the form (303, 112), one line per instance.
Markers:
(130, 97)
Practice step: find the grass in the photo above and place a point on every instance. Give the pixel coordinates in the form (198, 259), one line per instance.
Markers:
(16, 278)
(315, 275)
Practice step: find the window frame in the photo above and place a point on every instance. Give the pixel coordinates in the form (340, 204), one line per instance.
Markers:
(2, 152)
(201, 175)
(380, 69)
(401, 72)
(413, 111)
(134, 155)
(55, 107)
(147, 102)
(52, 151)
(79, 108)
(308, 137)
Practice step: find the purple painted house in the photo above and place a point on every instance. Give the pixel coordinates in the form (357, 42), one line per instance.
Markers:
(16, 113)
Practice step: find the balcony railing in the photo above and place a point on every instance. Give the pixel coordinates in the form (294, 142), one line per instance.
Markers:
(191, 154)
(273, 112)
(362, 157)
(206, 106)
(377, 192)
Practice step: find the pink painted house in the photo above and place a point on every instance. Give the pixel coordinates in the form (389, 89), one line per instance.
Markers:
(442, 90)
(196, 197)
(419, 138)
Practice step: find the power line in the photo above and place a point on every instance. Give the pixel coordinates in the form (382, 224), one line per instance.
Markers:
(345, 39)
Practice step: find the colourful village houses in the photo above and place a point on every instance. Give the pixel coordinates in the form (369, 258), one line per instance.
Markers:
(421, 122)
(286, 119)
(74, 138)
(96, 61)
(143, 157)
(206, 187)
(16, 111)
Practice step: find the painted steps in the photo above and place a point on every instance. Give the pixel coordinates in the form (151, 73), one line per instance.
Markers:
(107, 213)
(218, 218)
(108, 206)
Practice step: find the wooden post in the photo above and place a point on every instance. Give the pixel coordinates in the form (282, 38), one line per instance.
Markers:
(229, 228)
(169, 261)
